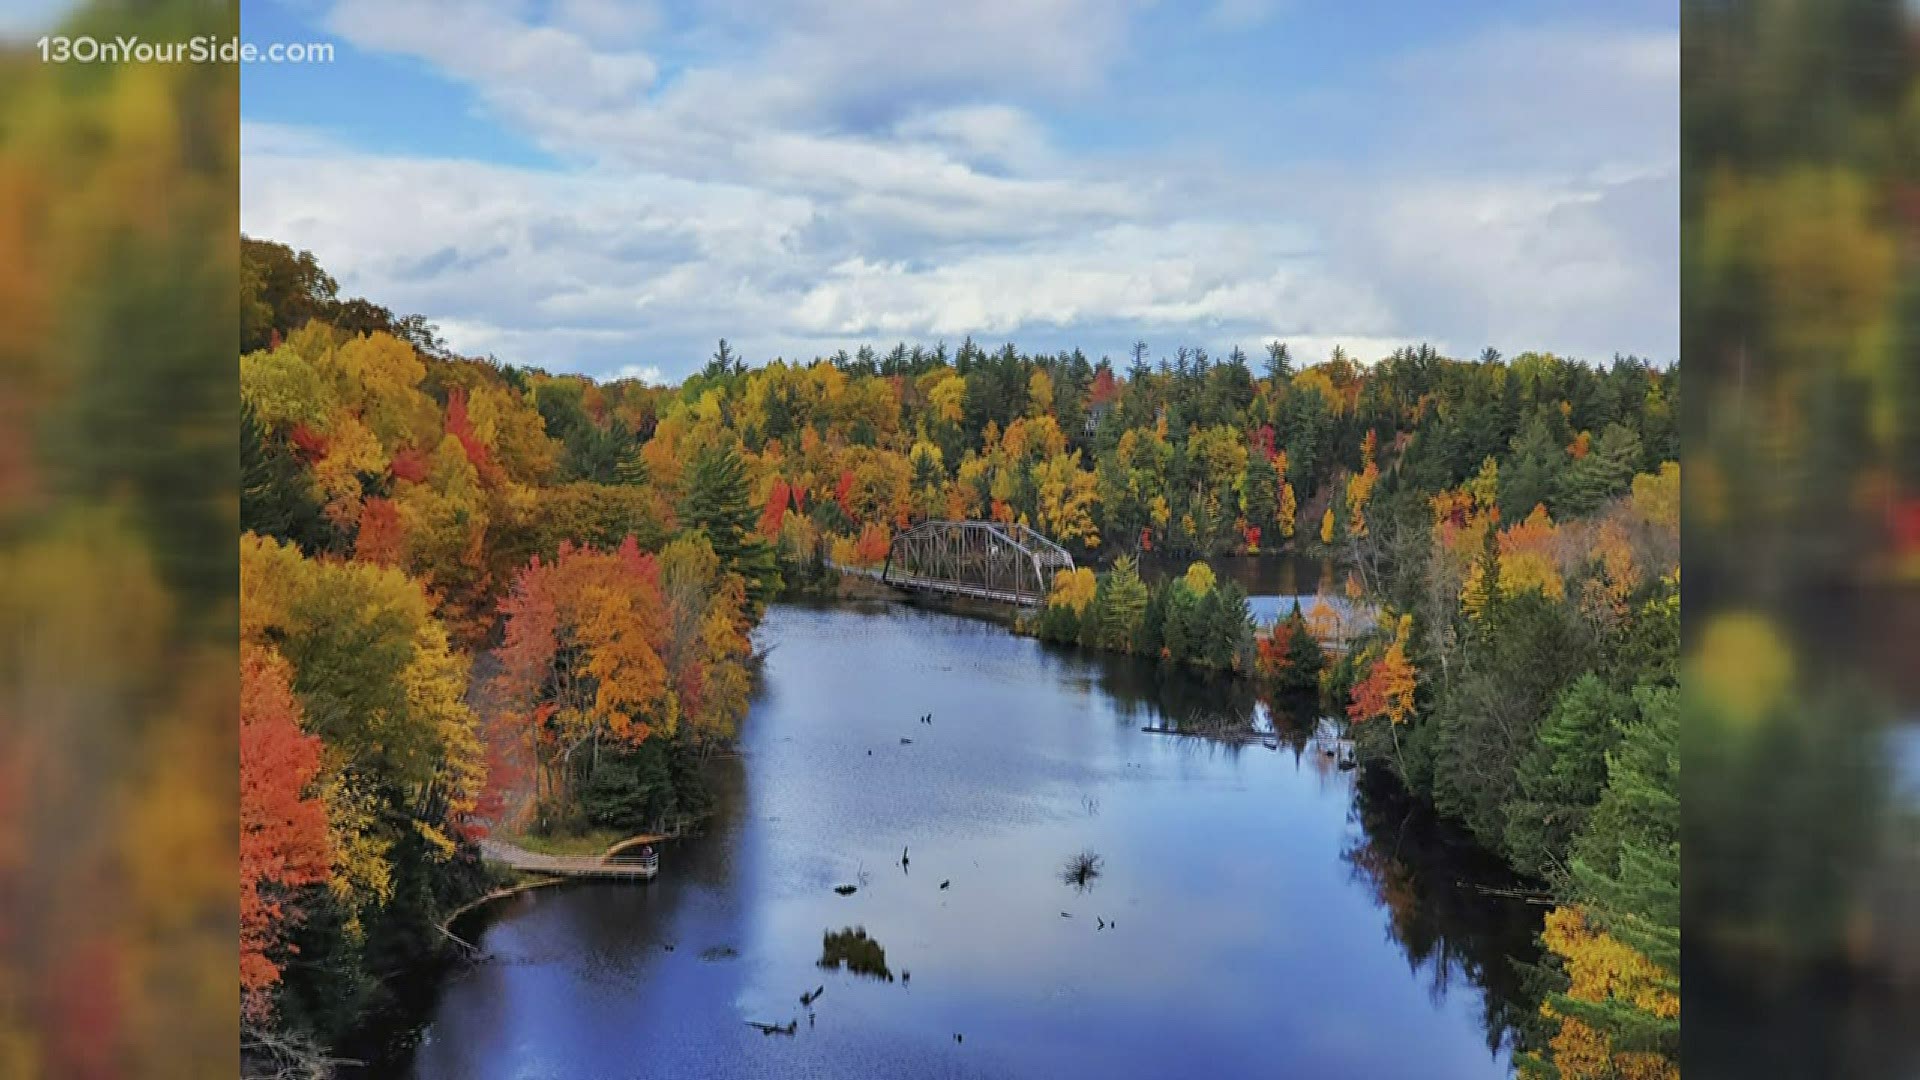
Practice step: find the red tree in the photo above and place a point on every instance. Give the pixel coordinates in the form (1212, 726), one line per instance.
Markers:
(1105, 386)
(381, 539)
(409, 464)
(460, 426)
(775, 513)
(283, 830)
(842, 491)
(311, 443)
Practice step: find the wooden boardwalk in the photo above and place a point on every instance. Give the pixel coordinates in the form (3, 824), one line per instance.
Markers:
(574, 866)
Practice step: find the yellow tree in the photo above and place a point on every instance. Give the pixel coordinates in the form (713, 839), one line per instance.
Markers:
(1068, 495)
(1039, 393)
(381, 686)
(1602, 969)
(1073, 589)
(1386, 691)
(1528, 554)
(1656, 496)
(581, 660)
(1199, 579)
(706, 643)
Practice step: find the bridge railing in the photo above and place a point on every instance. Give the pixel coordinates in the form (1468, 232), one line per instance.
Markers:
(985, 558)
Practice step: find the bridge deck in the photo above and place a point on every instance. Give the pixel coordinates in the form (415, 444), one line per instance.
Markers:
(939, 585)
(580, 866)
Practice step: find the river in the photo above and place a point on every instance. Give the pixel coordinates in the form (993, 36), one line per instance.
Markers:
(1257, 910)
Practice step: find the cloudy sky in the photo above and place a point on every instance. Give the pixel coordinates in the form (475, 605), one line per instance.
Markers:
(608, 186)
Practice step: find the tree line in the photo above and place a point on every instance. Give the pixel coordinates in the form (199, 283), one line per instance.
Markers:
(465, 607)
(602, 550)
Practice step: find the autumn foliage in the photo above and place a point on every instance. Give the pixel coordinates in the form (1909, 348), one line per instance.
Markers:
(283, 825)
(1601, 969)
(1388, 688)
(581, 656)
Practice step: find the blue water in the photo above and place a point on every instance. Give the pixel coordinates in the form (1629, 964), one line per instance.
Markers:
(1265, 920)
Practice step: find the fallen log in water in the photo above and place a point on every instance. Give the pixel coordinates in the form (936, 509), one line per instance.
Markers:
(1232, 736)
(787, 1028)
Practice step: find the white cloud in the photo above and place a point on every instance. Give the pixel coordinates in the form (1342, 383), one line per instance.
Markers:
(523, 67)
(883, 169)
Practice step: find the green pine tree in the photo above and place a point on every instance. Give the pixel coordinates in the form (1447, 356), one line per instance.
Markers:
(1126, 606)
(1605, 472)
(1562, 776)
(1305, 658)
(1259, 496)
(717, 503)
(1626, 869)
(275, 497)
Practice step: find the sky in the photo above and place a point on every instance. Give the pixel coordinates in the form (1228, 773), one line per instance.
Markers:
(610, 186)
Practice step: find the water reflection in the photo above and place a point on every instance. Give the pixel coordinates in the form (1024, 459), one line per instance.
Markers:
(1233, 872)
(1460, 915)
(853, 950)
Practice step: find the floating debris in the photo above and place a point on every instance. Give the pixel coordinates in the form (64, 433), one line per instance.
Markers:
(1081, 870)
(787, 1028)
(719, 952)
(946, 883)
(846, 890)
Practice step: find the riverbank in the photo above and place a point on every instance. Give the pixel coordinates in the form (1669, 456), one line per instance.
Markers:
(1032, 754)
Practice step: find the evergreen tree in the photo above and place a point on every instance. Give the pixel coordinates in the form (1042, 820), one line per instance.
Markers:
(1093, 619)
(1533, 476)
(1259, 497)
(1626, 866)
(633, 470)
(1305, 658)
(1606, 471)
(1125, 608)
(1563, 774)
(1153, 623)
(1521, 651)
(275, 497)
(1626, 871)
(717, 503)
(1279, 363)
(1177, 634)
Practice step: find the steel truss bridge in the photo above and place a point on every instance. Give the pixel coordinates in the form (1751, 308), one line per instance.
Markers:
(984, 560)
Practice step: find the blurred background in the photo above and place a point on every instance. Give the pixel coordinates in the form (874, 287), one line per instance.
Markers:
(118, 579)
(1801, 339)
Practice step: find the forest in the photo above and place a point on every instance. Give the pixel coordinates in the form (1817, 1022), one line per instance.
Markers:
(484, 597)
